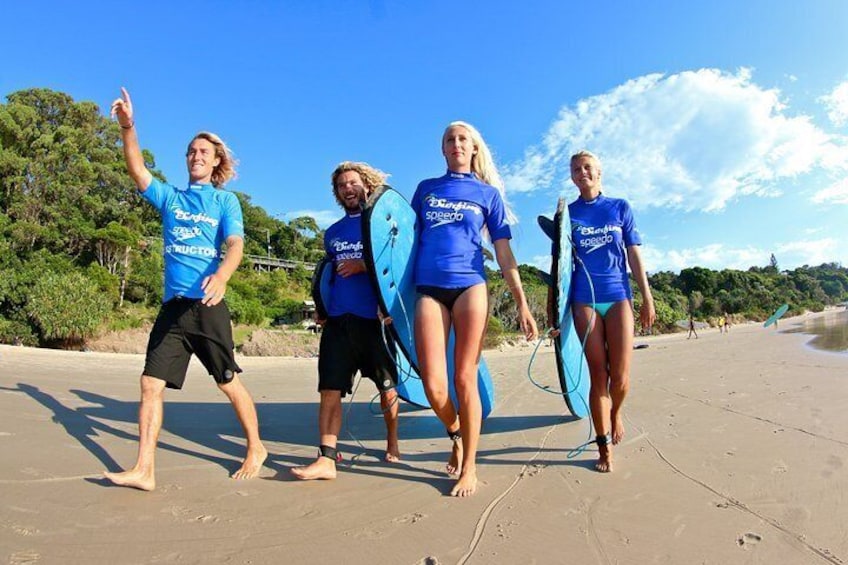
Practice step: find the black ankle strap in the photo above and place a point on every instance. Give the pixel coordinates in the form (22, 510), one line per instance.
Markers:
(603, 440)
(329, 453)
(455, 436)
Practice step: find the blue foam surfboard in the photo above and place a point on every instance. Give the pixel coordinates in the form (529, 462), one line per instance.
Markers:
(409, 386)
(776, 316)
(389, 238)
(571, 364)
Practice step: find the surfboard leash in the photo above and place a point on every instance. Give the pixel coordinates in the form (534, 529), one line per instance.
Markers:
(574, 452)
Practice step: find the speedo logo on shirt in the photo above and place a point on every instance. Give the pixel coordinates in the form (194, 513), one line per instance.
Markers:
(198, 218)
(447, 212)
(183, 233)
(347, 249)
(592, 238)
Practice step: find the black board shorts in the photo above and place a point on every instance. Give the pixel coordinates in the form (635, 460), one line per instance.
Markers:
(184, 327)
(349, 344)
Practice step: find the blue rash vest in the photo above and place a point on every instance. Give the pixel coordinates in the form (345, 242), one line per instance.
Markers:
(601, 230)
(196, 221)
(452, 211)
(353, 294)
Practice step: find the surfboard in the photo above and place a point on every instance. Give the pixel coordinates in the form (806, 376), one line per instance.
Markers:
(572, 369)
(776, 316)
(409, 386)
(390, 242)
(321, 277)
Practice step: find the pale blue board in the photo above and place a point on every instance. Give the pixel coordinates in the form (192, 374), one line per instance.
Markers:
(572, 368)
(389, 237)
(776, 316)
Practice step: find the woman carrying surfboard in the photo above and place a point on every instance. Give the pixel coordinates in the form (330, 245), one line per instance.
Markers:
(454, 211)
(605, 241)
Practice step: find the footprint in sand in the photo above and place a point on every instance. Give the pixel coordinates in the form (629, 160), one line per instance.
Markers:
(833, 463)
(24, 558)
(24, 531)
(748, 539)
(409, 518)
(780, 467)
(205, 519)
(176, 511)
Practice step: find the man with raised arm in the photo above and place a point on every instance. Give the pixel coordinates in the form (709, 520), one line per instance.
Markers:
(193, 319)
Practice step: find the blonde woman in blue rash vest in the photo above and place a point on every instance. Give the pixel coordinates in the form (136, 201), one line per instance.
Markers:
(606, 241)
(454, 212)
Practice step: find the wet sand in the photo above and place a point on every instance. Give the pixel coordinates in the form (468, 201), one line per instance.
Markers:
(735, 452)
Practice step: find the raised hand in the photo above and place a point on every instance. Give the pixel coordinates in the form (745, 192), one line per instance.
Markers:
(122, 110)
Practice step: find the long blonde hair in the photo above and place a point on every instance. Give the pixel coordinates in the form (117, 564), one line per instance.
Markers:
(483, 165)
(226, 169)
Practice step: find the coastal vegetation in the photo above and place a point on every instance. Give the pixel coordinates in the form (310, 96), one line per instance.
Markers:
(81, 253)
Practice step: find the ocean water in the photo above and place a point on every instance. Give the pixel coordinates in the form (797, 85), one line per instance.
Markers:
(830, 331)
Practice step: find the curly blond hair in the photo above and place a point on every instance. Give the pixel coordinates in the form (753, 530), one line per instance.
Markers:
(226, 169)
(372, 178)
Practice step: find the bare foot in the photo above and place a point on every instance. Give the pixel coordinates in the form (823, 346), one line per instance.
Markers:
(134, 478)
(455, 461)
(604, 463)
(252, 463)
(617, 428)
(321, 468)
(392, 452)
(467, 483)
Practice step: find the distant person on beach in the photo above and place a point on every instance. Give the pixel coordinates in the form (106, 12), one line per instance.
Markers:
(193, 319)
(692, 328)
(454, 212)
(726, 323)
(606, 241)
(352, 339)
(720, 324)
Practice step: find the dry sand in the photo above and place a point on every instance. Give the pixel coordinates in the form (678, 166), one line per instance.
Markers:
(735, 453)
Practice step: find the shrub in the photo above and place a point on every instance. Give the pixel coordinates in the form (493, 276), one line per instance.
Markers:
(67, 307)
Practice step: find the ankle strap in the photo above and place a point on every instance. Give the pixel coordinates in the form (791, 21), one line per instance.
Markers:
(329, 453)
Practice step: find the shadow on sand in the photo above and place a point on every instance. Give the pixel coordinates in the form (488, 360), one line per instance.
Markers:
(213, 427)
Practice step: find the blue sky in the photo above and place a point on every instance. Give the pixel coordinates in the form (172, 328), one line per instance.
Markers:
(725, 124)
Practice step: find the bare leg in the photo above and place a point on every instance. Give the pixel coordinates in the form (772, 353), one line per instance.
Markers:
(600, 402)
(389, 405)
(619, 329)
(142, 475)
(246, 413)
(432, 323)
(470, 313)
(329, 426)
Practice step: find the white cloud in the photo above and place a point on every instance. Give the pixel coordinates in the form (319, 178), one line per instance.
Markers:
(837, 193)
(690, 141)
(836, 104)
(714, 256)
(719, 256)
(324, 218)
(541, 262)
(810, 252)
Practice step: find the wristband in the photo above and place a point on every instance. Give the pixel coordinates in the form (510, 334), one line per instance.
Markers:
(132, 124)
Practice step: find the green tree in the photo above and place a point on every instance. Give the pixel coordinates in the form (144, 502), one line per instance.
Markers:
(67, 307)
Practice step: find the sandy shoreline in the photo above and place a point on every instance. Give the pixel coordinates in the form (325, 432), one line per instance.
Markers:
(735, 453)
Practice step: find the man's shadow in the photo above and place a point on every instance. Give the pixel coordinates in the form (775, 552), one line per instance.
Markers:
(214, 426)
